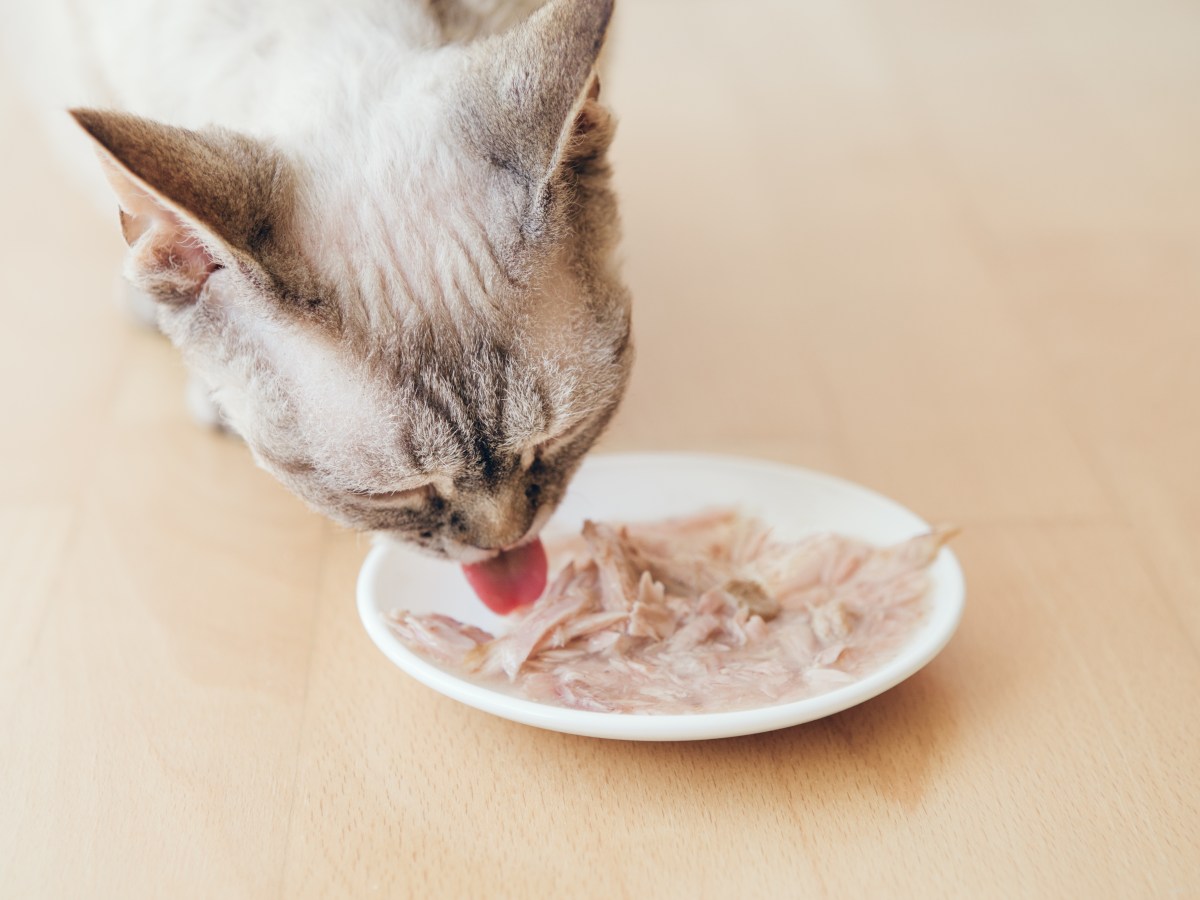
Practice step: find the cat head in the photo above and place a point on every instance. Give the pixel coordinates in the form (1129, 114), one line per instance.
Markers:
(407, 306)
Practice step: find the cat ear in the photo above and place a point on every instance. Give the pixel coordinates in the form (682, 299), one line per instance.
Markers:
(191, 202)
(533, 95)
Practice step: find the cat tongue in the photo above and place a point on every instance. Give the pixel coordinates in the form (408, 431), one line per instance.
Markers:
(514, 578)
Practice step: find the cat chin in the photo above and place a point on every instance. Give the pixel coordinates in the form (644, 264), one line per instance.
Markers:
(456, 553)
(468, 555)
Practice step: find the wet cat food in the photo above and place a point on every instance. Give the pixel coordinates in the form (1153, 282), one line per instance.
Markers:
(697, 614)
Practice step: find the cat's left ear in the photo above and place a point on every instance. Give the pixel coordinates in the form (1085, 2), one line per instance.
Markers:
(532, 99)
(191, 202)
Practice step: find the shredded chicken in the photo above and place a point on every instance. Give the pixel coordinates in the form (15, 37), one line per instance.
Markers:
(698, 614)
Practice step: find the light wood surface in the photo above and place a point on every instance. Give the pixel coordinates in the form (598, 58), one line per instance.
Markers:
(949, 250)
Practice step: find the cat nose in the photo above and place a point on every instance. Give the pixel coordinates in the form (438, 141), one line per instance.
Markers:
(512, 535)
(504, 526)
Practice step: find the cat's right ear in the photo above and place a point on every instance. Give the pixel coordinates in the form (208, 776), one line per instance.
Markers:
(190, 202)
(532, 103)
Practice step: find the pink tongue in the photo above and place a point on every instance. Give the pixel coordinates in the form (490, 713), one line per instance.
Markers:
(512, 579)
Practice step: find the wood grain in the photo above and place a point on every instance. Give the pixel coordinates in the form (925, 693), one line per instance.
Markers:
(950, 250)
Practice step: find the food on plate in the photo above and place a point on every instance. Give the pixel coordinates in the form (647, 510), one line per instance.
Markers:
(699, 614)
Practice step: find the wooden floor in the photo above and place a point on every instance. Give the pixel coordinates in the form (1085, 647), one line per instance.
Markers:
(948, 249)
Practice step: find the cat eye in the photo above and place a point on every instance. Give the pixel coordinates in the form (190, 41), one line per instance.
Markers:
(392, 498)
(551, 445)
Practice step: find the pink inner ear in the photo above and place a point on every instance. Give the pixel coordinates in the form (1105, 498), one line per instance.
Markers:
(181, 248)
(168, 259)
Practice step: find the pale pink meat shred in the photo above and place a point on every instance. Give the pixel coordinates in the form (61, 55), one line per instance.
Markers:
(696, 614)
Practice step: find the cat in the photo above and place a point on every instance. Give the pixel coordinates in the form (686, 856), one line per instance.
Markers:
(382, 234)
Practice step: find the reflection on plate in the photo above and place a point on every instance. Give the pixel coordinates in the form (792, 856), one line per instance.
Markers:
(652, 486)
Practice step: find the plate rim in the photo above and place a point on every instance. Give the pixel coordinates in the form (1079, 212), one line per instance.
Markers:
(936, 634)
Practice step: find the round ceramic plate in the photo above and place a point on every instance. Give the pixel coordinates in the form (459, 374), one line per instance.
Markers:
(651, 486)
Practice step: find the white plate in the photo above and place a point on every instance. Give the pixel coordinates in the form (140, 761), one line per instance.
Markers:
(649, 486)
